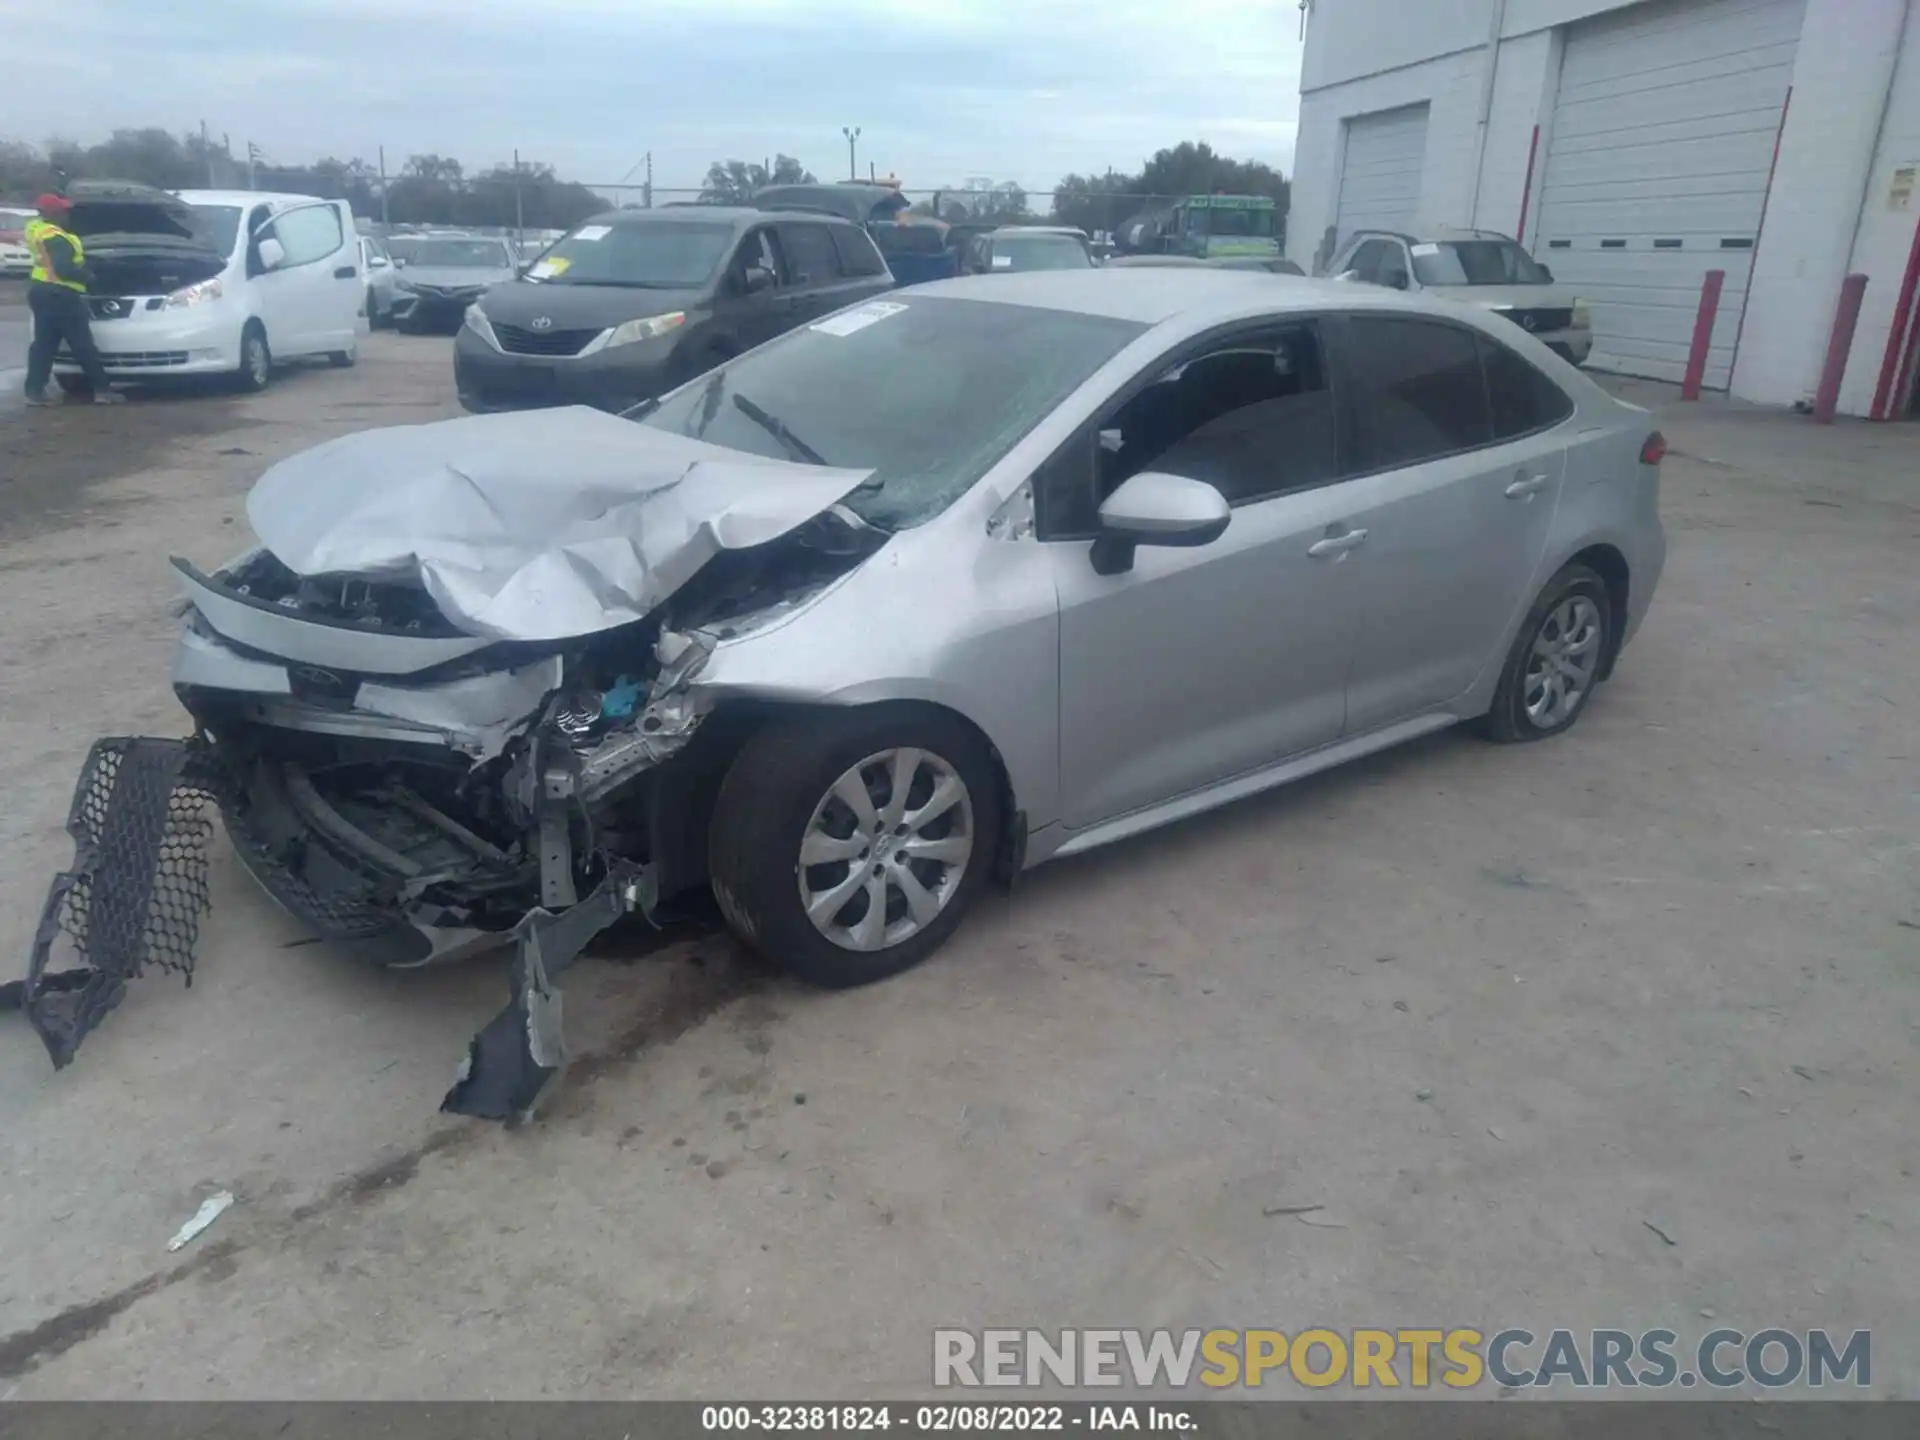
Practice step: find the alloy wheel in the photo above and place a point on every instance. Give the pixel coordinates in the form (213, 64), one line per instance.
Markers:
(886, 849)
(1563, 662)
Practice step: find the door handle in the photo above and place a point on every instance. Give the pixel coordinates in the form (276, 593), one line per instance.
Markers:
(345, 272)
(1527, 486)
(1337, 544)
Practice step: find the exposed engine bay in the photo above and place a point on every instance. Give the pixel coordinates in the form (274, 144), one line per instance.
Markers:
(396, 781)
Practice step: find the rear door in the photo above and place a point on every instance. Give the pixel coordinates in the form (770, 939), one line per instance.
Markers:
(1459, 452)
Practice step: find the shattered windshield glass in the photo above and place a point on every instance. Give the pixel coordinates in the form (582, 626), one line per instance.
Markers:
(925, 393)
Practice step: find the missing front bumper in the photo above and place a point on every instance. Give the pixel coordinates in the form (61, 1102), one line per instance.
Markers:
(141, 821)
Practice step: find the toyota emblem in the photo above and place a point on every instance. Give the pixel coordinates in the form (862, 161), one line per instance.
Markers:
(544, 322)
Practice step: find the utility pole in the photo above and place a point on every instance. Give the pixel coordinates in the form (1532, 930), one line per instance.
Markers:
(253, 160)
(519, 224)
(646, 193)
(206, 153)
(383, 187)
(852, 132)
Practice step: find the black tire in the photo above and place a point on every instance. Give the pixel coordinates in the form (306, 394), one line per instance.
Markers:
(343, 359)
(1508, 721)
(77, 386)
(767, 802)
(373, 311)
(256, 360)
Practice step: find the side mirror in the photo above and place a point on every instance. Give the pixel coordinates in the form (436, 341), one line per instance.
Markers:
(1350, 277)
(758, 278)
(1153, 508)
(272, 253)
(376, 263)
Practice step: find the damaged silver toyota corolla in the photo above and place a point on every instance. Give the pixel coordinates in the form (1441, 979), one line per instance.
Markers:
(935, 587)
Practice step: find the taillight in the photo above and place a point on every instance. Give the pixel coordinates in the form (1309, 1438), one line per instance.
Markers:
(1654, 450)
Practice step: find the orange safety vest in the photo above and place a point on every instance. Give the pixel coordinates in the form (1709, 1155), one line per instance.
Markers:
(37, 233)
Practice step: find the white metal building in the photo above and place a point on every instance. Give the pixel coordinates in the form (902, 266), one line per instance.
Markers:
(1635, 145)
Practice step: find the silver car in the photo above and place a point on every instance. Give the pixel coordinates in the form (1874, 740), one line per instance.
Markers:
(922, 594)
(1474, 267)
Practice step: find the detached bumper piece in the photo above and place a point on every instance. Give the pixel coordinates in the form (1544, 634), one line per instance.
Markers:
(141, 822)
(510, 1062)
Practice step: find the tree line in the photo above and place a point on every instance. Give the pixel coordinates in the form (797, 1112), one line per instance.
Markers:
(1101, 202)
(424, 190)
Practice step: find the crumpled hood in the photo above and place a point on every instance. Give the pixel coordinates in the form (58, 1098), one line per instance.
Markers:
(533, 525)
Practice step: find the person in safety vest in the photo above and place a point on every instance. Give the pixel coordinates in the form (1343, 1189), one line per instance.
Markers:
(57, 296)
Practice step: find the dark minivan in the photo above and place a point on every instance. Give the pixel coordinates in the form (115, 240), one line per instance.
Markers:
(635, 302)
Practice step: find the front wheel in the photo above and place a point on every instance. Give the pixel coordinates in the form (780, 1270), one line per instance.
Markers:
(256, 360)
(343, 359)
(1556, 660)
(846, 846)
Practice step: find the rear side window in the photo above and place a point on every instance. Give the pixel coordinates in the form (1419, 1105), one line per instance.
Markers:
(1523, 399)
(810, 253)
(855, 251)
(1418, 391)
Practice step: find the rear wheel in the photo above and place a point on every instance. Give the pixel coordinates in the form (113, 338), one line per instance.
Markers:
(1557, 659)
(846, 846)
(256, 359)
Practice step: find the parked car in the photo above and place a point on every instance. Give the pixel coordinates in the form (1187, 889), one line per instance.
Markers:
(841, 639)
(1014, 248)
(907, 242)
(634, 302)
(380, 272)
(1474, 267)
(214, 282)
(444, 274)
(15, 258)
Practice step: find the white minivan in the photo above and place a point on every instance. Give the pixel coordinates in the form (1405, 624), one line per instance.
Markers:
(215, 282)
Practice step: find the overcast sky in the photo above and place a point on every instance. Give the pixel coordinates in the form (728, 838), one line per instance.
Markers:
(1021, 90)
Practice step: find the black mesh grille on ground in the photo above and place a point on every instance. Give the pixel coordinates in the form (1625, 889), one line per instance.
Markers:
(134, 896)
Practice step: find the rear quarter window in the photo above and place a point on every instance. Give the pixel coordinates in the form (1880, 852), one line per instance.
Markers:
(1522, 398)
(1419, 392)
(857, 253)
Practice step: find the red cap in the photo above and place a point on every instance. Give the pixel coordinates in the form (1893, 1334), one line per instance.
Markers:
(53, 202)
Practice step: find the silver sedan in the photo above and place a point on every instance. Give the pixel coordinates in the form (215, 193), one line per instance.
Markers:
(924, 592)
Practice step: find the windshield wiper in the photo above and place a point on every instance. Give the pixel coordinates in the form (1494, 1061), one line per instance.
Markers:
(796, 447)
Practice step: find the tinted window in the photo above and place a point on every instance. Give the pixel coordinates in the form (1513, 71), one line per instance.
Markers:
(926, 393)
(1418, 390)
(810, 253)
(908, 239)
(1252, 418)
(1476, 262)
(646, 255)
(856, 252)
(1523, 398)
(309, 235)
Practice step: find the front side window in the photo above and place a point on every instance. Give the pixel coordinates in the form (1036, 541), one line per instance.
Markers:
(308, 235)
(640, 255)
(1477, 262)
(926, 393)
(810, 254)
(1418, 390)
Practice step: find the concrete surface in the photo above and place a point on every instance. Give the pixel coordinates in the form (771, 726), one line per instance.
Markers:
(1662, 972)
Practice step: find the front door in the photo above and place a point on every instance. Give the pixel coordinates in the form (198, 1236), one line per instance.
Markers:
(754, 317)
(1463, 439)
(311, 298)
(814, 267)
(1197, 665)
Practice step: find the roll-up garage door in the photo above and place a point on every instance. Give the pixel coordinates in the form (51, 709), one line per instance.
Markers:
(1380, 174)
(1662, 146)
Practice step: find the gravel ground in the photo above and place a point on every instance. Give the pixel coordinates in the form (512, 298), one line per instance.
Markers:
(1503, 1013)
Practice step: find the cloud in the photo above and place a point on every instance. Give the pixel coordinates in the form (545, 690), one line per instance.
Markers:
(1021, 90)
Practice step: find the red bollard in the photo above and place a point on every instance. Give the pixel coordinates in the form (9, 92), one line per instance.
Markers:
(1827, 398)
(1702, 333)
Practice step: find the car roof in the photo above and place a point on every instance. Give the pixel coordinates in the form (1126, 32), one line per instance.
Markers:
(1152, 295)
(734, 215)
(244, 198)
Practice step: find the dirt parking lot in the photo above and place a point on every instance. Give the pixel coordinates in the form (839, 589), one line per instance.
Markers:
(1621, 1029)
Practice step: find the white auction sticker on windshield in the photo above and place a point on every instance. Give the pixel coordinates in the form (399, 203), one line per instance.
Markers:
(1426, 249)
(1003, 262)
(593, 232)
(859, 319)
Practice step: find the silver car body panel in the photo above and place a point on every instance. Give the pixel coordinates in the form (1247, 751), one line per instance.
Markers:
(1090, 688)
(532, 525)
